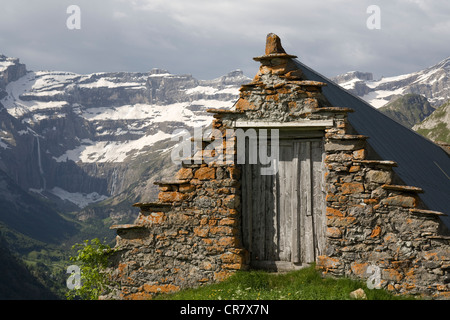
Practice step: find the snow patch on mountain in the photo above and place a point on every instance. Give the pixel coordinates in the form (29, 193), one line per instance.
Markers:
(82, 200)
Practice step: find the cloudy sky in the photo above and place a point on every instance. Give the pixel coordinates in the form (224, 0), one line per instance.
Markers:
(209, 38)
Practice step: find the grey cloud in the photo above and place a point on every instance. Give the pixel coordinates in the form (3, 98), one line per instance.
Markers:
(210, 38)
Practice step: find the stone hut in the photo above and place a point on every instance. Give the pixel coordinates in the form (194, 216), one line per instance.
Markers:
(346, 188)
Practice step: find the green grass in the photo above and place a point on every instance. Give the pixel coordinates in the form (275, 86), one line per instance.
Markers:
(304, 284)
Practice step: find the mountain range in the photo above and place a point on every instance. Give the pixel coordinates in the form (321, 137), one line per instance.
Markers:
(416, 100)
(433, 83)
(76, 151)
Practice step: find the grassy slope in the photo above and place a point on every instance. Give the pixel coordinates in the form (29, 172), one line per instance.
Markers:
(408, 109)
(304, 284)
(435, 127)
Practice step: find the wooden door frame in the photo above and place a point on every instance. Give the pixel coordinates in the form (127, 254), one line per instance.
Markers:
(297, 255)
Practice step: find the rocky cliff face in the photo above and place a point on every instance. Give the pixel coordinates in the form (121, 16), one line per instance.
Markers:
(79, 139)
(10, 70)
(408, 109)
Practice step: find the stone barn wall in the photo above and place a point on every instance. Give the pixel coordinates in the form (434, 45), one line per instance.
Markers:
(375, 224)
(190, 237)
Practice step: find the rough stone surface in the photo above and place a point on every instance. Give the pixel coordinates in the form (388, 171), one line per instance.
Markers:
(198, 240)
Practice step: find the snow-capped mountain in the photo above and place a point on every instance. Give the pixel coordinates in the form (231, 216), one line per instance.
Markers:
(75, 138)
(433, 83)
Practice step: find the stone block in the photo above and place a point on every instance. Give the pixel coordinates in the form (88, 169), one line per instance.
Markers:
(359, 269)
(205, 173)
(401, 200)
(391, 274)
(334, 232)
(184, 174)
(378, 176)
(352, 187)
(201, 231)
(173, 196)
(185, 188)
(376, 232)
(359, 154)
(232, 201)
(231, 258)
(358, 294)
(340, 221)
(344, 145)
(244, 104)
(230, 242)
(326, 263)
(334, 212)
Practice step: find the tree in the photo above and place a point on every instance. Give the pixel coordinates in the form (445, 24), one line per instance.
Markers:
(92, 261)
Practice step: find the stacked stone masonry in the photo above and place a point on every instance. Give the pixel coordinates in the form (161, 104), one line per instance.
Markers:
(192, 235)
(189, 237)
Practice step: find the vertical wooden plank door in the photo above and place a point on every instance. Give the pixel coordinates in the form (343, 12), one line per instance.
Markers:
(282, 215)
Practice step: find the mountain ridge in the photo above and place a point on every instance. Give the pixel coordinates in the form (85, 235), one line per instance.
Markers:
(432, 82)
(408, 109)
(83, 125)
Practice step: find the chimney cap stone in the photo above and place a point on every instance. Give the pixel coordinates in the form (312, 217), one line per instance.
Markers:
(274, 49)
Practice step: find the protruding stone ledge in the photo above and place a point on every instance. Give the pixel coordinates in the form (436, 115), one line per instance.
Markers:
(170, 182)
(344, 142)
(402, 188)
(252, 84)
(150, 204)
(307, 83)
(332, 110)
(334, 136)
(427, 212)
(126, 227)
(153, 206)
(278, 124)
(376, 162)
(409, 201)
(224, 111)
(275, 56)
(438, 237)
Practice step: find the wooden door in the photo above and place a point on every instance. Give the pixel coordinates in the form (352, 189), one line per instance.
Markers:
(282, 215)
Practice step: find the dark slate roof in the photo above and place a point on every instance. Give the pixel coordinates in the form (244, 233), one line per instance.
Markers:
(421, 162)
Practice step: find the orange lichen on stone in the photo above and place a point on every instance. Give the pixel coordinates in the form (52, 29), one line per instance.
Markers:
(334, 232)
(376, 232)
(205, 173)
(352, 187)
(334, 212)
(273, 44)
(173, 196)
(184, 174)
(392, 274)
(326, 263)
(359, 269)
(244, 104)
(402, 201)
